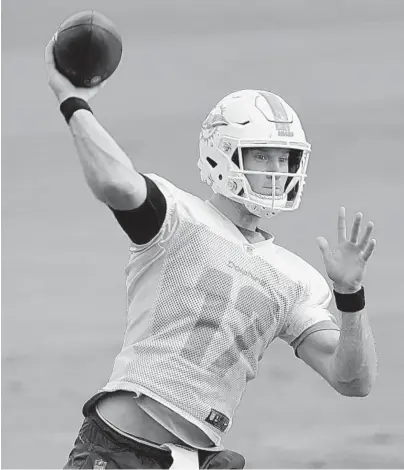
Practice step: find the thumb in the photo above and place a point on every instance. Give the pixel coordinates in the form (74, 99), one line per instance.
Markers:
(99, 87)
(324, 247)
(49, 58)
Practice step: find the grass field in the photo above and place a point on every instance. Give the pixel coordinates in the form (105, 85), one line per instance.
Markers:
(340, 64)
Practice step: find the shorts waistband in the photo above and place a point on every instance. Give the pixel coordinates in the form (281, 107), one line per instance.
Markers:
(121, 440)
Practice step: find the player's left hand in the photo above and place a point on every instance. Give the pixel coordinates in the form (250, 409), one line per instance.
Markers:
(346, 264)
(60, 85)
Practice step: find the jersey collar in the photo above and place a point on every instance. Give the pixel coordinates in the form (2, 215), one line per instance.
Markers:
(269, 237)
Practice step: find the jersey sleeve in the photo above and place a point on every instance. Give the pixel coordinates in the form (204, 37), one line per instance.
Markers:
(310, 315)
(154, 219)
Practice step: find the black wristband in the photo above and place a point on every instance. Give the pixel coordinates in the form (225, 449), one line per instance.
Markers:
(350, 303)
(69, 106)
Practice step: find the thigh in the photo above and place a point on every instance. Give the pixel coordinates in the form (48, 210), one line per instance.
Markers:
(94, 449)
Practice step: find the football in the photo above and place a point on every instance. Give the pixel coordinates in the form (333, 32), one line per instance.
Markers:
(87, 49)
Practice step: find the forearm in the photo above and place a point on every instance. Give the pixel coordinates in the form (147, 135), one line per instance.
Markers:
(105, 164)
(355, 361)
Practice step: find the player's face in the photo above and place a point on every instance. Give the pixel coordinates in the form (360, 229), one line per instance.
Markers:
(266, 159)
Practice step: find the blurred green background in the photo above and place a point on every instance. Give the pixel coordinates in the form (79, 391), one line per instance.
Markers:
(340, 65)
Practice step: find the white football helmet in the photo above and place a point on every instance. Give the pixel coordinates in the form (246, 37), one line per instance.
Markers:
(248, 119)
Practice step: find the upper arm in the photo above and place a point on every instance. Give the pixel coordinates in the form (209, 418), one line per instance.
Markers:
(317, 350)
(311, 329)
(127, 196)
(144, 221)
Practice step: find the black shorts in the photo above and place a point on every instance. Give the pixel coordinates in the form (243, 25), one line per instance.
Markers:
(100, 447)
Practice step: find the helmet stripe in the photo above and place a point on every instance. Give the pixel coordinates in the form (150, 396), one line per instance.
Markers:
(280, 115)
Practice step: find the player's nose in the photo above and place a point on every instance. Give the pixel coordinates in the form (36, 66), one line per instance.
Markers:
(273, 168)
(273, 165)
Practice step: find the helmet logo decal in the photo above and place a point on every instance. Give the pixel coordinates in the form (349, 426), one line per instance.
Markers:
(214, 120)
(280, 116)
(226, 146)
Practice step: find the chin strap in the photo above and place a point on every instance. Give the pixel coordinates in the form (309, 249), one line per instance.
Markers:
(263, 212)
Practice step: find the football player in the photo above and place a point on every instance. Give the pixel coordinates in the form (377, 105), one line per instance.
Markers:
(208, 290)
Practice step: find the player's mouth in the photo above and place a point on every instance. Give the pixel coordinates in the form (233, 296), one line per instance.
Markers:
(267, 191)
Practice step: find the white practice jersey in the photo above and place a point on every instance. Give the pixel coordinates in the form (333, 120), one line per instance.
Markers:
(203, 306)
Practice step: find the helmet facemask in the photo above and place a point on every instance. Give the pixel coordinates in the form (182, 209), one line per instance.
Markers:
(268, 205)
(237, 123)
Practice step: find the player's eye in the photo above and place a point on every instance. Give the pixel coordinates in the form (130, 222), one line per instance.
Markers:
(261, 157)
(283, 159)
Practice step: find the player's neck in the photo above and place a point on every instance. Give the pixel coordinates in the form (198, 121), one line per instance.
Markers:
(235, 212)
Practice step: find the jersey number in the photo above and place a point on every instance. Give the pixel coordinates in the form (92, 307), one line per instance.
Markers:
(250, 302)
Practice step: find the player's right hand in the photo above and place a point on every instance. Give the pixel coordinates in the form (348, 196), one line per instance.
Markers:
(60, 85)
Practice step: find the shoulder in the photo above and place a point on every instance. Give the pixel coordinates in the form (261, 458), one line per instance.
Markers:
(173, 192)
(315, 285)
(188, 206)
(161, 182)
(311, 311)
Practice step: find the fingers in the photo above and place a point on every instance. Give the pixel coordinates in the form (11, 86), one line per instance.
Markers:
(49, 57)
(341, 225)
(101, 85)
(366, 245)
(356, 227)
(366, 237)
(369, 250)
(325, 248)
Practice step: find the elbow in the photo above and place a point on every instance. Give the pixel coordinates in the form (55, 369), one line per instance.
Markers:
(99, 189)
(359, 393)
(110, 192)
(354, 389)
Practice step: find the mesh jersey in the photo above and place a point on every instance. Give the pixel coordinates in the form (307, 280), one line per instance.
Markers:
(203, 305)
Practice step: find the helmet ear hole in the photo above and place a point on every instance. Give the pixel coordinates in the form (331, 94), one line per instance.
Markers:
(235, 158)
(211, 162)
(220, 177)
